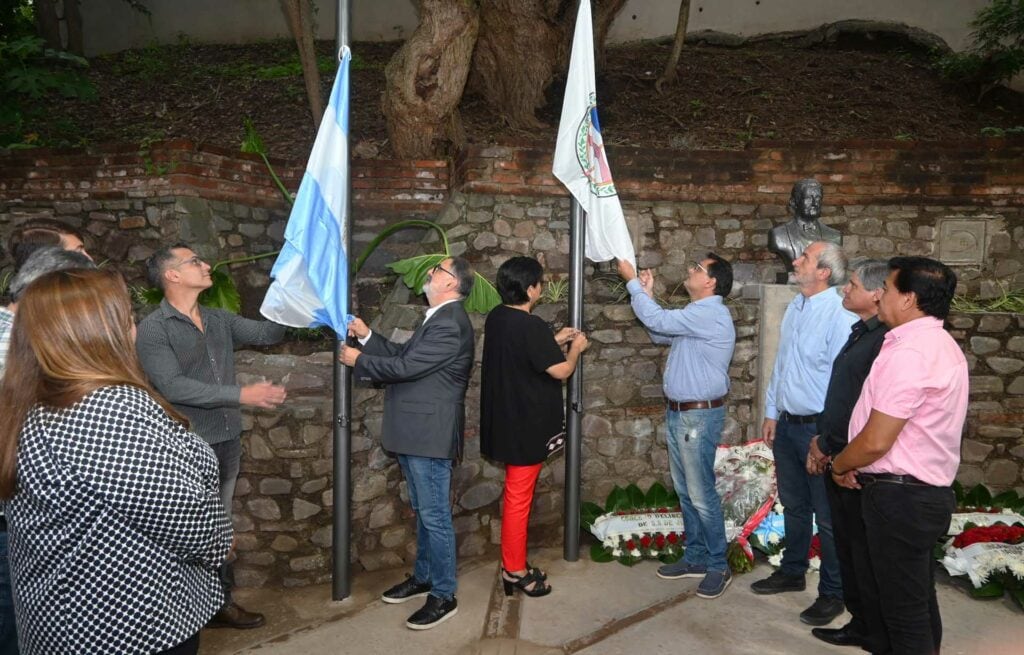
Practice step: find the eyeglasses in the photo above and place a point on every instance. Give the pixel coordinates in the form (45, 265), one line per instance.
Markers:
(438, 267)
(191, 261)
(693, 266)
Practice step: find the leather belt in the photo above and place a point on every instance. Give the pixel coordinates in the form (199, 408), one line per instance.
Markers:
(869, 478)
(786, 417)
(695, 404)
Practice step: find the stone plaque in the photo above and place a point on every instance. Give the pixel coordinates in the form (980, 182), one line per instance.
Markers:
(962, 240)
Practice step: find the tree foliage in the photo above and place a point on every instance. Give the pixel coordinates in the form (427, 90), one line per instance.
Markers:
(997, 52)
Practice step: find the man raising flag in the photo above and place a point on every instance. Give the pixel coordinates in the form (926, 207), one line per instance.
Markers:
(580, 160)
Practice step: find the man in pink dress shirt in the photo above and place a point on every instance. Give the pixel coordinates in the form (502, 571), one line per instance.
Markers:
(904, 448)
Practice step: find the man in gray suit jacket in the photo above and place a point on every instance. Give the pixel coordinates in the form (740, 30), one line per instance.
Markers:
(424, 418)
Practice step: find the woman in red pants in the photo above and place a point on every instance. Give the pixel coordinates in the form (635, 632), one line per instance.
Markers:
(521, 406)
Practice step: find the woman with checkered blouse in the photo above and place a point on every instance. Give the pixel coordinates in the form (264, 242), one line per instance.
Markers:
(115, 520)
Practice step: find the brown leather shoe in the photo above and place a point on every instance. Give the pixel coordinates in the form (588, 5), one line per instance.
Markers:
(233, 616)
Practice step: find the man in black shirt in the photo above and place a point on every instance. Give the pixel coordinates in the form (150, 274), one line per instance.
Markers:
(851, 367)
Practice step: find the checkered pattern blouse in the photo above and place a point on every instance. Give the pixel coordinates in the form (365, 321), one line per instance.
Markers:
(116, 528)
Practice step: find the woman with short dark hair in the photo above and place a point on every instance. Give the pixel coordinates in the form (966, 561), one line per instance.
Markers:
(521, 406)
(116, 525)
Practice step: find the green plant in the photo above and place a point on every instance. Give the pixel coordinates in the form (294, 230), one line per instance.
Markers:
(555, 291)
(1008, 301)
(1002, 131)
(29, 73)
(997, 52)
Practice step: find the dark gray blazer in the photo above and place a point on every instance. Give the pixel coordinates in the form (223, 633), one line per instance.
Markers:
(426, 378)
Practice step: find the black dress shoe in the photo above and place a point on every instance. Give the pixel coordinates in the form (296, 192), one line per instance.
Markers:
(406, 590)
(824, 609)
(233, 616)
(844, 636)
(436, 610)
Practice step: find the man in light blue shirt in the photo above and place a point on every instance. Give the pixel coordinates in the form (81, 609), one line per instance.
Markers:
(814, 329)
(702, 338)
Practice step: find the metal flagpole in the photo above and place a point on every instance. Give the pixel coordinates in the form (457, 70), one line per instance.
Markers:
(574, 394)
(341, 587)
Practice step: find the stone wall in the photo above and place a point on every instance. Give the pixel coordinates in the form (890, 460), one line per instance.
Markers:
(888, 198)
(130, 201)
(993, 450)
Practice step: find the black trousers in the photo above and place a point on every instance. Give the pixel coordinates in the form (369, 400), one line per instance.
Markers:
(902, 523)
(188, 647)
(860, 592)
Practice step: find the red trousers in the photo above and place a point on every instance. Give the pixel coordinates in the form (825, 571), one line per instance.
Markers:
(519, 484)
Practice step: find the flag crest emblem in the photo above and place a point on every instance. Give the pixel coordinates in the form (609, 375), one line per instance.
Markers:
(590, 152)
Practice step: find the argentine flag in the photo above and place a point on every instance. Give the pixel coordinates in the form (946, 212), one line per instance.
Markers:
(310, 286)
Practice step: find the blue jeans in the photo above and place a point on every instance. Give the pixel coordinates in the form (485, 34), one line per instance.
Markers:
(429, 481)
(8, 629)
(229, 462)
(693, 438)
(804, 500)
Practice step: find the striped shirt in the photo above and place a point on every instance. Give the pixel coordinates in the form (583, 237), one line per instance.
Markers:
(195, 369)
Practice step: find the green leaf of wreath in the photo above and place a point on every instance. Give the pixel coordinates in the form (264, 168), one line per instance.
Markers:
(618, 500)
(589, 513)
(1006, 500)
(979, 496)
(599, 553)
(636, 497)
(992, 589)
(958, 491)
(657, 496)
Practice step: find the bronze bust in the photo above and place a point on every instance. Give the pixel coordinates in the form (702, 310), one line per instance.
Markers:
(789, 240)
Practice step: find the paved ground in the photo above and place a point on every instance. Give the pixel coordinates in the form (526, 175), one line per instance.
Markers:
(595, 609)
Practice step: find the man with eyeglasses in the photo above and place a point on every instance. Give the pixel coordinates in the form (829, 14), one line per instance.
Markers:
(701, 338)
(815, 327)
(424, 420)
(187, 351)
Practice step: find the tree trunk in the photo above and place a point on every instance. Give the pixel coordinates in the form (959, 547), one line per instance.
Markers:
(300, 23)
(522, 44)
(605, 12)
(668, 76)
(48, 23)
(426, 77)
(73, 21)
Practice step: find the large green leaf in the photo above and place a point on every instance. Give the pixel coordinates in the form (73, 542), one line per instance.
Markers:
(482, 299)
(657, 496)
(589, 513)
(599, 553)
(991, 589)
(1007, 499)
(958, 491)
(617, 500)
(979, 496)
(222, 294)
(414, 269)
(636, 497)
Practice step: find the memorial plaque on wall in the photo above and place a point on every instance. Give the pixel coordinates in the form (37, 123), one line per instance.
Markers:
(962, 240)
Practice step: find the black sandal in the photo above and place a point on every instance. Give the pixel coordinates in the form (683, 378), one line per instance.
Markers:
(523, 582)
(540, 574)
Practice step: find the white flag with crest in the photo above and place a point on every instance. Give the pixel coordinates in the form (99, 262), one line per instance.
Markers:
(580, 160)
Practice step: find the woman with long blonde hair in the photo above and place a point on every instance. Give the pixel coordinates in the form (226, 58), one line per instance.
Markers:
(116, 525)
